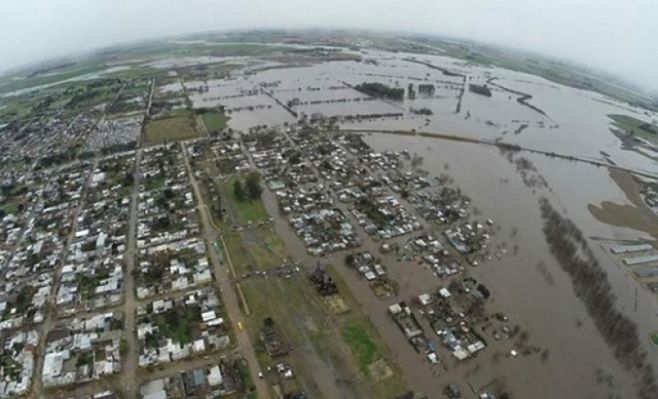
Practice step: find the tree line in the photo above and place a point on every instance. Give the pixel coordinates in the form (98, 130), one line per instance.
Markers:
(250, 189)
(591, 285)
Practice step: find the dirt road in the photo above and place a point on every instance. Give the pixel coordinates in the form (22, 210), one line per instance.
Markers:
(130, 362)
(227, 291)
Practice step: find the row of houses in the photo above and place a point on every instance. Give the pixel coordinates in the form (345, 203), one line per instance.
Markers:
(83, 349)
(175, 328)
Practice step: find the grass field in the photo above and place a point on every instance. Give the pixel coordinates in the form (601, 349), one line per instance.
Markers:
(47, 79)
(654, 338)
(349, 342)
(171, 128)
(214, 120)
(155, 183)
(10, 207)
(361, 345)
(636, 127)
(246, 210)
(366, 344)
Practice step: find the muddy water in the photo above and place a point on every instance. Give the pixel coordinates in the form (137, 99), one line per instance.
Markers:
(555, 318)
(416, 370)
(575, 123)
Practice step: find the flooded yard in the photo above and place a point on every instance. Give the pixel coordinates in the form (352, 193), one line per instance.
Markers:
(526, 280)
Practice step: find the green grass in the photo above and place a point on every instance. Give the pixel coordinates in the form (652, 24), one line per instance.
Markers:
(362, 346)
(635, 127)
(294, 305)
(24, 83)
(10, 208)
(170, 128)
(363, 335)
(246, 210)
(236, 250)
(654, 338)
(182, 330)
(155, 183)
(214, 121)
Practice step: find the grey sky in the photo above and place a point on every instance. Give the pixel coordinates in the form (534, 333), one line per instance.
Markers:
(614, 35)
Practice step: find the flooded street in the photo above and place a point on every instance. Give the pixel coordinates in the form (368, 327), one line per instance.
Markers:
(526, 282)
(544, 301)
(332, 214)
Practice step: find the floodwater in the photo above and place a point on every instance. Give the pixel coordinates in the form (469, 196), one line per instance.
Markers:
(556, 119)
(554, 317)
(571, 121)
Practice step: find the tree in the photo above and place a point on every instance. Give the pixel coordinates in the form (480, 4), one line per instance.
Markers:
(253, 185)
(238, 190)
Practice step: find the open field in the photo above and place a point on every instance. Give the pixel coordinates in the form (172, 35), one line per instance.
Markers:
(172, 128)
(431, 199)
(9, 208)
(23, 82)
(214, 120)
(247, 210)
(304, 320)
(636, 127)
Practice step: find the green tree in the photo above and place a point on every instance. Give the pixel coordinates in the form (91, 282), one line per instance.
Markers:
(238, 190)
(123, 347)
(253, 185)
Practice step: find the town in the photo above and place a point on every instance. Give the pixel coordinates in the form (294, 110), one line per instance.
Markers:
(280, 220)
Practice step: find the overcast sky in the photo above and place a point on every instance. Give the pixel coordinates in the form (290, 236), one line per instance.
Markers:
(614, 35)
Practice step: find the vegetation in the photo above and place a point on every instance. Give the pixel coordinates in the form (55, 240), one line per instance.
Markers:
(298, 309)
(45, 79)
(11, 368)
(380, 90)
(361, 345)
(214, 121)
(635, 127)
(177, 324)
(8, 208)
(174, 127)
(246, 205)
(592, 287)
(238, 191)
(480, 89)
(550, 69)
(87, 284)
(654, 338)
(252, 183)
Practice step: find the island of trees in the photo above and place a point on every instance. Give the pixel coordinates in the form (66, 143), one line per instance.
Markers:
(480, 89)
(380, 90)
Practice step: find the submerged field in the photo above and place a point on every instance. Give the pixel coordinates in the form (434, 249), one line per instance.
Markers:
(330, 347)
(527, 143)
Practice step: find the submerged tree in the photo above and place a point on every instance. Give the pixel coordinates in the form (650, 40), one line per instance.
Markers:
(253, 185)
(238, 190)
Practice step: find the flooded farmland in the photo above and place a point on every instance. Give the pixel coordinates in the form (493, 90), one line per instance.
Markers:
(527, 281)
(391, 221)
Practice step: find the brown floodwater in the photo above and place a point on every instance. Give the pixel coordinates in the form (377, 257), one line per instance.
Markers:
(553, 315)
(540, 299)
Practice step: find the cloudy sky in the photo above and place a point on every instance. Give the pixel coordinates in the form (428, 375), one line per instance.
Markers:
(619, 36)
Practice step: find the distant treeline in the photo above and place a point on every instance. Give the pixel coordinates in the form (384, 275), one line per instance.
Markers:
(647, 127)
(380, 90)
(480, 89)
(591, 285)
